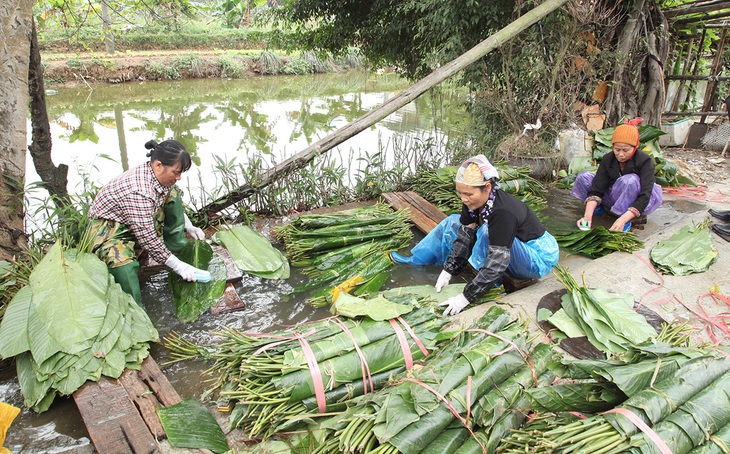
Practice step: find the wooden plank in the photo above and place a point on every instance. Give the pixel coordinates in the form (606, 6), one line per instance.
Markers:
(421, 216)
(153, 377)
(233, 274)
(121, 415)
(229, 302)
(113, 422)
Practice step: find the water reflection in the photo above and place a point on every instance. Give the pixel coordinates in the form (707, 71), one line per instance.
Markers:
(267, 119)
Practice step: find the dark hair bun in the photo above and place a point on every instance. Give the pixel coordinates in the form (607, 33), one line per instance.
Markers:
(150, 144)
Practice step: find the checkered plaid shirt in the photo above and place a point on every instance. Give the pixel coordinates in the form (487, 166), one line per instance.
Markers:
(132, 199)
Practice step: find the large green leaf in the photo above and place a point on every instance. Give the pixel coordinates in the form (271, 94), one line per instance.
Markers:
(14, 326)
(193, 298)
(378, 308)
(252, 253)
(688, 251)
(67, 290)
(188, 424)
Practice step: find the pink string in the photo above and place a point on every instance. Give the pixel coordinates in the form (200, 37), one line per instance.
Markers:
(403, 344)
(415, 338)
(364, 367)
(314, 371)
(275, 336)
(648, 431)
(451, 408)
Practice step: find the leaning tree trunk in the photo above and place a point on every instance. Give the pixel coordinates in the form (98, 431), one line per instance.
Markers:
(54, 178)
(15, 34)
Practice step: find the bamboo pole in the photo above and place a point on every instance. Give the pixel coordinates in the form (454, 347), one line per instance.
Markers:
(446, 71)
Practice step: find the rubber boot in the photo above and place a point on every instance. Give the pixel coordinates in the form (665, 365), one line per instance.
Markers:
(722, 230)
(173, 231)
(721, 215)
(127, 276)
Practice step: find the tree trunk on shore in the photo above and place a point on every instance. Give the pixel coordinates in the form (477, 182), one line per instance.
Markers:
(15, 36)
(54, 178)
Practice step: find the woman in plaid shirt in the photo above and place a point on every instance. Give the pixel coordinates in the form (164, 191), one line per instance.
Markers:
(136, 208)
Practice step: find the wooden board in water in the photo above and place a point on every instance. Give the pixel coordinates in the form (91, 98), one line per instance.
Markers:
(424, 215)
(121, 415)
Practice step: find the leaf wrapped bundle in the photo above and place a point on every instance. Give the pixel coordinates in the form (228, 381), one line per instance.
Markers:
(193, 298)
(70, 324)
(690, 385)
(688, 251)
(368, 214)
(719, 443)
(693, 422)
(597, 242)
(407, 417)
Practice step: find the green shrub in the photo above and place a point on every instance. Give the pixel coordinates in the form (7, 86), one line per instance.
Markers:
(159, 71)
(297, 66)
(230, 67)
(270, 63)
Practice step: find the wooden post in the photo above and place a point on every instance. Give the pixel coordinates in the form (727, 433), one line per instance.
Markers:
(446, 71)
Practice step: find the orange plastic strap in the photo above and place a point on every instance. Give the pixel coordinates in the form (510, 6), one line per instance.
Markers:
(314, 370)
(364, 367)
(451, 408)
(403, 343)
(274, 336)
(648, 431)
(415, 338)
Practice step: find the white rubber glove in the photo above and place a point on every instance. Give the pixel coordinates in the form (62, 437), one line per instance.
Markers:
(455, 304)
(443, 280)
(187, 272)
(193, 231)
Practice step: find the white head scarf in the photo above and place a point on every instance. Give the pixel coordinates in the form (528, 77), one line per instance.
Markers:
(476, 171)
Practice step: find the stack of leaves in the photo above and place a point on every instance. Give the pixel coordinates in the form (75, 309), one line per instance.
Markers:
(193, 298)
(665, 172)
(252, 253)
(677, 401)
(473, 380)
(70, 324)
(597, 241)
(437, 186)
(688, 251)
(272, 380)
(346, 250)
(606, 319)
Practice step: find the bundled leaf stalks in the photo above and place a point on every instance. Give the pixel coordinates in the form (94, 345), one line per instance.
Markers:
(345, 251)
(684, 409)
(271, 380)
(597, 241)
(474, 379)
(437, 186)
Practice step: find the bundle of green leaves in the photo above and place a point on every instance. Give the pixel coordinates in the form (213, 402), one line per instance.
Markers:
(680, 395)
(70, 324)
(689, 250)
(474, 379)
(252, 253)
(597, 242)
(606, 319)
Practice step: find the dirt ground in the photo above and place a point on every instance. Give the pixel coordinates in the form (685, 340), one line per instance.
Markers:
(703, 166)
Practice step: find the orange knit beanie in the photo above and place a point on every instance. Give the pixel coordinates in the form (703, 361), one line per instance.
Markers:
(627, 132)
